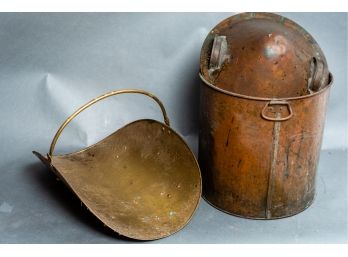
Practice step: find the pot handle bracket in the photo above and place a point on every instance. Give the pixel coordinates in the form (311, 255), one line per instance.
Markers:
(318, 75)
(274, 111)
(219, 54)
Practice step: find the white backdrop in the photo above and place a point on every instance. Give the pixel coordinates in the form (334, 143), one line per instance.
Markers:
(52, 63)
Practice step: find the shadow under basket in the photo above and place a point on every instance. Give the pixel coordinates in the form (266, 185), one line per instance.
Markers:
(142, 181)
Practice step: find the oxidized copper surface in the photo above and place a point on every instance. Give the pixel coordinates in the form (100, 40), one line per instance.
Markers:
(263, 55)
(264, 93)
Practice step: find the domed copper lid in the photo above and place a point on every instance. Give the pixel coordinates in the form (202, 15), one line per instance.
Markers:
(263, 55)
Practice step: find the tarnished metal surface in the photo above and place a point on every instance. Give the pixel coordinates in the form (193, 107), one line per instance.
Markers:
(142, 181)
(261, 125)
(267, 55)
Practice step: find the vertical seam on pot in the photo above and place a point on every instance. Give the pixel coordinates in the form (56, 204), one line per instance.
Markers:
(275, 147)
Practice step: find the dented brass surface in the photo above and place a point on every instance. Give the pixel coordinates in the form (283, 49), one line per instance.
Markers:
(142, 181)
(262, 116)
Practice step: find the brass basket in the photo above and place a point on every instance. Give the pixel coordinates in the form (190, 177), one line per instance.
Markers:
(142, 181)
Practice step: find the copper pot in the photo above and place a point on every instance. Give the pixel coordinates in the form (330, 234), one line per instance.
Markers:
(264, 93)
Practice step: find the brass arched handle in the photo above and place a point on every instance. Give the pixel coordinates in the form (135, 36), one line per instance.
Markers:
(78, 111)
